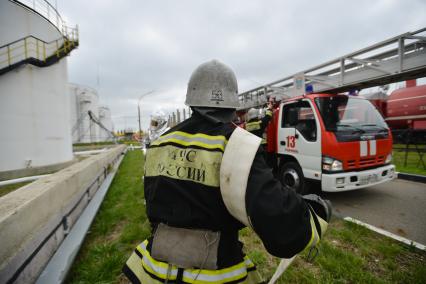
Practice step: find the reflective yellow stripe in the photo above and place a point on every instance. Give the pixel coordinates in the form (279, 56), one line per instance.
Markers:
(323, 225)
(197, 165)
(198, 139)
(248, 262)
(153, 266)
(225, 275)
(269, 113)
(251, 126)
(315, 238)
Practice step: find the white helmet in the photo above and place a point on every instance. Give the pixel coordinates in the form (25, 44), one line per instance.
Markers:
(252, 113)
(213, 84)
(158, 120)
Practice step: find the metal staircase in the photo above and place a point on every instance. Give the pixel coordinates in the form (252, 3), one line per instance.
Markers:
(35, 51)
(400, 58)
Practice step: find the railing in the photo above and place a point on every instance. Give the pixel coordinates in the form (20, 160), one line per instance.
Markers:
(46, 10)
(32, 47)
(409, 146)
(399, 58)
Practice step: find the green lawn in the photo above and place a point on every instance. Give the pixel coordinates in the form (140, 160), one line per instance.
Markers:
(119, 226)
(414, 166)
(349, 253)
(94, 143)
(11, 187)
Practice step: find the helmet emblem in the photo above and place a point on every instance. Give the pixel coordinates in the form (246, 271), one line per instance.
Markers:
(217, 96)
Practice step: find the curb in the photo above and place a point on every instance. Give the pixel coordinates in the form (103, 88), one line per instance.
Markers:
(412, 177)
(387, 234)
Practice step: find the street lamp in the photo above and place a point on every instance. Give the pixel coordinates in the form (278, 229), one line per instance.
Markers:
(139, 109)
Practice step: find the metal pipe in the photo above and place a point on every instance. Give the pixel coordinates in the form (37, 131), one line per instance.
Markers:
(90, 152)
(23, 179)
(61, 262)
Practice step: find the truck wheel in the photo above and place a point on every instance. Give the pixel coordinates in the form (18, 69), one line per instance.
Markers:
(291, 177)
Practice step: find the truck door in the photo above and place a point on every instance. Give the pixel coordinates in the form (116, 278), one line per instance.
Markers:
(299, 136)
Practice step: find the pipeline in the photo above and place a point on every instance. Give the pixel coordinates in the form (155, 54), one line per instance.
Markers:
(22, 179)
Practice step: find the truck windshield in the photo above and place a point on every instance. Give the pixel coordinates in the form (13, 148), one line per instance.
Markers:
(344, 113)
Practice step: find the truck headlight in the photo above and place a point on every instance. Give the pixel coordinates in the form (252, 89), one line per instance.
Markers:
(331, 164)
(388, 159)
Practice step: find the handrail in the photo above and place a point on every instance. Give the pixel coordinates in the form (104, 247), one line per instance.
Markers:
(31, 47)
(72, 38)
(46, 10)
(337, 60)
(332, 75)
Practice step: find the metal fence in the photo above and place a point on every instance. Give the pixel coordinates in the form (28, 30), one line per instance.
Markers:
(412, 145)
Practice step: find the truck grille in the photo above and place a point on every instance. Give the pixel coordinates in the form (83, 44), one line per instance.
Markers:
(365, 162)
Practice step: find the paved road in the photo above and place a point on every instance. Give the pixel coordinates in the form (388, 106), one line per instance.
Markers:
(398, 207)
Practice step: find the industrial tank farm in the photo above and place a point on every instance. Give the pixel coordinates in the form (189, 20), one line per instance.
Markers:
(90, 122)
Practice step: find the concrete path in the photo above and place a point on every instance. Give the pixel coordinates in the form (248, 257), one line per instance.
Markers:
(398, 207)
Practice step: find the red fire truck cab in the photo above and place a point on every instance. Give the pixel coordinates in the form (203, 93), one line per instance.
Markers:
(340, 141)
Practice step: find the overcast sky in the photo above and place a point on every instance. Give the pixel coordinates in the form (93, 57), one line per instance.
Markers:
(137, 46)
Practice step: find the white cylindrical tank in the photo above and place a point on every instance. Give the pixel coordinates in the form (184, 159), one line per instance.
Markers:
(34, 111)
(17, 22)
(106, 120)
(88, 101)
(74, 111)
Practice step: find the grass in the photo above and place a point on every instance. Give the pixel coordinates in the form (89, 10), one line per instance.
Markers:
(128, 142)
(94, 143)
(118, 227)
(11, 187)
(348, 254)
(413, 166)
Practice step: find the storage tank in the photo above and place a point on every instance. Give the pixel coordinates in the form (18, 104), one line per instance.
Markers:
(106, 121)
(88, 104)
(74, 111)
(406, 108)
(34, 112)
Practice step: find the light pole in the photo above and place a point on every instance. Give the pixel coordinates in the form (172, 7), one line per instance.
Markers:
(139, 109)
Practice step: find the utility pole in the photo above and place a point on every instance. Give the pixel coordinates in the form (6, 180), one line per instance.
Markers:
(139, 109)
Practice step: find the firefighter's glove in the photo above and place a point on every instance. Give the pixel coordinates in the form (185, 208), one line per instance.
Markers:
(321, 207)
(321, 211)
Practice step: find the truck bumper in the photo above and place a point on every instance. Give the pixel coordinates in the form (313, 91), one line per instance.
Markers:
(355, 180)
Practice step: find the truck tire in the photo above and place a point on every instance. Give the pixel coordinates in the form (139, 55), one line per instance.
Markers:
(291, 177)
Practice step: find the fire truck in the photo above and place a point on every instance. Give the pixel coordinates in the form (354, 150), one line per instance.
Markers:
(319, 135)
(339, 140)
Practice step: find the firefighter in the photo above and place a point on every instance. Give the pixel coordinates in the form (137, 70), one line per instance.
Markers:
(158, 125)
(205, 179)
(258, 125)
